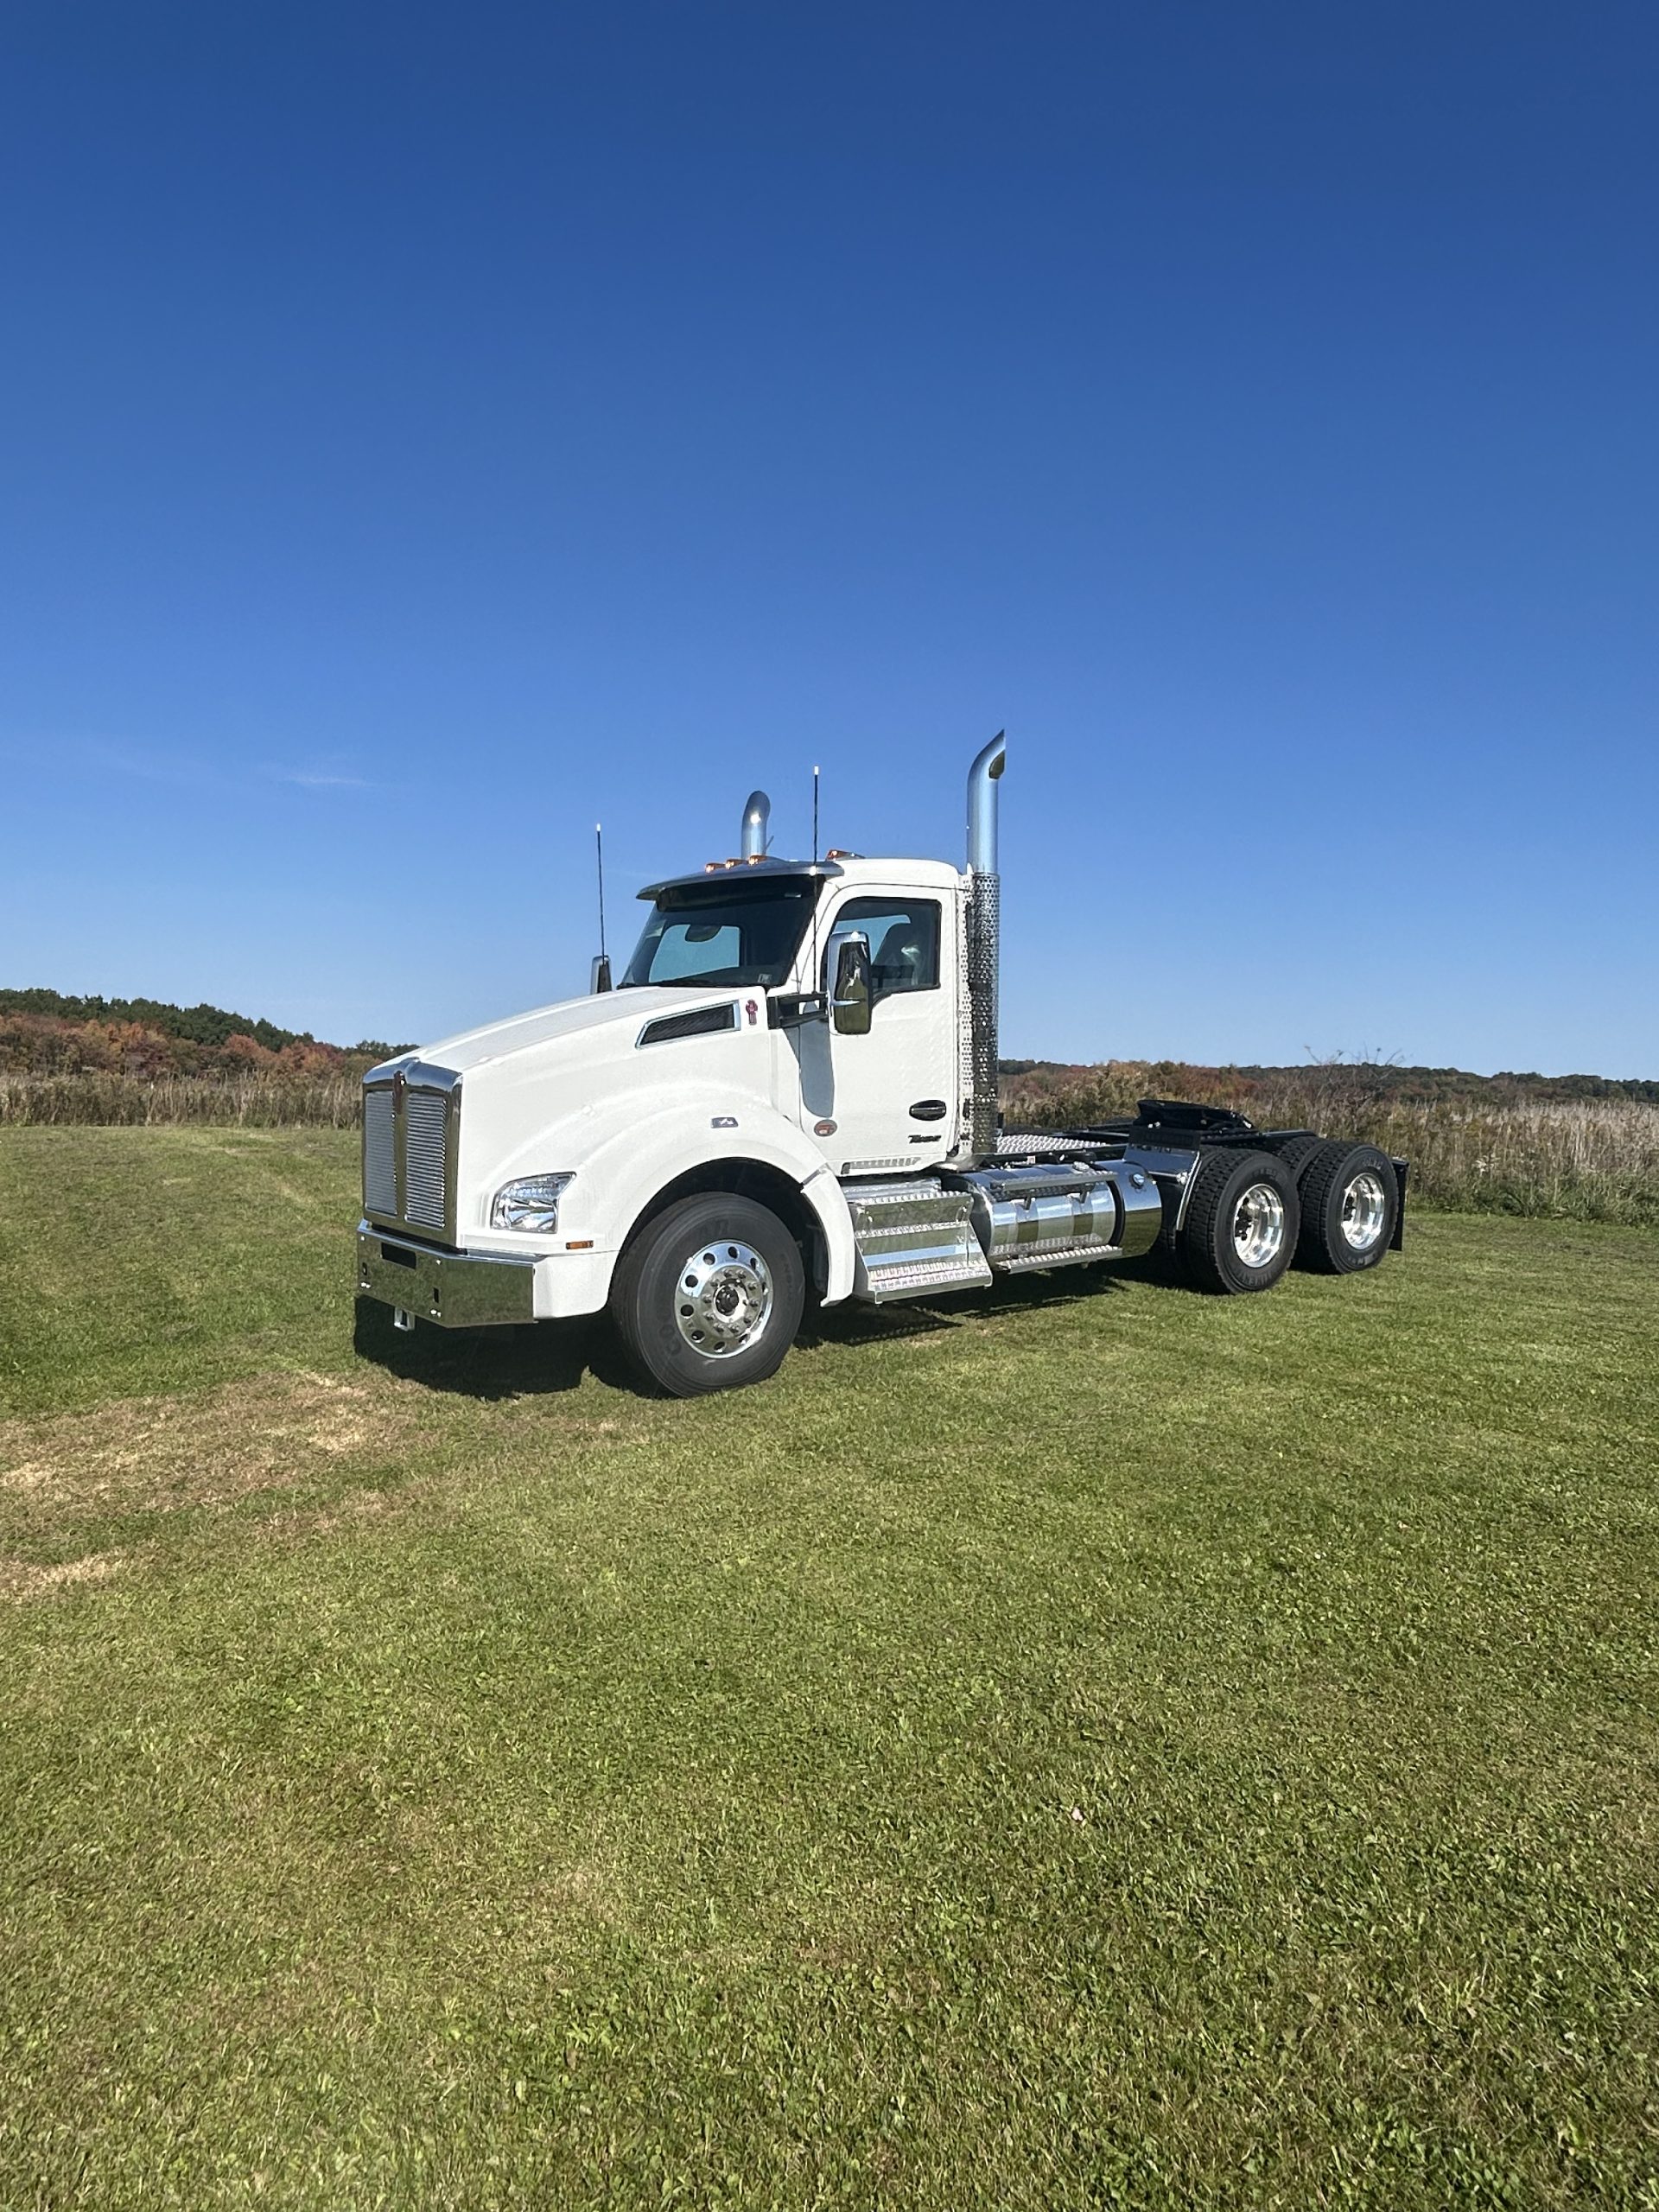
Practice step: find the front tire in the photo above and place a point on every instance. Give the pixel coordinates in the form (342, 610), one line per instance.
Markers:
(708, 1296)
(1242, 1223)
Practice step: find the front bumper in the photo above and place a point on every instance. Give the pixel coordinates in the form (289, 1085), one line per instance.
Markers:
(456, 1290)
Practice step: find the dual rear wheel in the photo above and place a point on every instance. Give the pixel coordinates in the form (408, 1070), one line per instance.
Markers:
(1350, 1209)
(1241, 1224)
(1251, 1213)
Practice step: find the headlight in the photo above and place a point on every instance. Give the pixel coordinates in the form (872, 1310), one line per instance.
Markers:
(532, 1203)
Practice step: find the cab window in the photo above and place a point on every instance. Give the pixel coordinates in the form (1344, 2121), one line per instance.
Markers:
(904, 936)
(719, 932)
(691, 952)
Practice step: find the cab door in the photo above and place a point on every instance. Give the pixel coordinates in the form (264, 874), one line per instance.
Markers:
(887, 1100)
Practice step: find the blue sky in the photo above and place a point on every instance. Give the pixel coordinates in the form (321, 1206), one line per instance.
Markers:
(427, 431)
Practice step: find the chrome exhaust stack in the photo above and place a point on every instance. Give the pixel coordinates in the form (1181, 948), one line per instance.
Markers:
(757, 825)
(984, 933)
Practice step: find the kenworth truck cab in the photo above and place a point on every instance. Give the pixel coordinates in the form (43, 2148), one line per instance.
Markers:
(793, 1091)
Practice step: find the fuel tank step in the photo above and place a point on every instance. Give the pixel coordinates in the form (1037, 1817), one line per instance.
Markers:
(913, 1236)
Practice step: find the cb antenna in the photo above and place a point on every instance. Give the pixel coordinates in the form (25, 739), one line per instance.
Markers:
(601, 975)
(818, 887)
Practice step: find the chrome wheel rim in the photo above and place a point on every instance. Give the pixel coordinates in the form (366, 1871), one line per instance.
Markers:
(722, 1298)
(1259, 1225)
(1365, 1209)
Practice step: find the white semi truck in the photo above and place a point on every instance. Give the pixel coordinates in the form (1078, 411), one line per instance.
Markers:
(793, 1092)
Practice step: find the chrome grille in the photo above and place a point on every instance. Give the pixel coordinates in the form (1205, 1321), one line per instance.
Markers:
(424, 1115)
(379, 1169)
(410, 1131)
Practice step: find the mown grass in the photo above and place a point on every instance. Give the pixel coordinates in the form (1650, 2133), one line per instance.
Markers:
(1106, 1747)
(136, 1261)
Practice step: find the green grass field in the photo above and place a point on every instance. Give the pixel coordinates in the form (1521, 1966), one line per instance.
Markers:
(1101, 1747)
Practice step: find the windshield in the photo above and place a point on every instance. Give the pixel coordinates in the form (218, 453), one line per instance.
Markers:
(715, 933)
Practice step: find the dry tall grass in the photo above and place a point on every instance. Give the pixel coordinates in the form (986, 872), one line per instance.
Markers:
(1582, 1160)
(259, 1102)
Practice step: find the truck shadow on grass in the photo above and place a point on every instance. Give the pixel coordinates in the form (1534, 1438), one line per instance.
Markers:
(543, 1358)
(851, 1324)
(536, 1360)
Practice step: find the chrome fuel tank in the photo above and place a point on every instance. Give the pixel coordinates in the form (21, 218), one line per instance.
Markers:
(1053, 1216)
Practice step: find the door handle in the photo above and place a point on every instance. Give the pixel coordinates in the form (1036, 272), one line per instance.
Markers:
(928, 1109)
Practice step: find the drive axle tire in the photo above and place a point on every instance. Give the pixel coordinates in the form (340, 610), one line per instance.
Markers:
(1242, 1223)
(708, 1295)
(1350, 1203)
(1296, 1152)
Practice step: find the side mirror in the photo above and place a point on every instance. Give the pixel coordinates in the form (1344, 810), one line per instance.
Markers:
(851, 1000)
(600, 978)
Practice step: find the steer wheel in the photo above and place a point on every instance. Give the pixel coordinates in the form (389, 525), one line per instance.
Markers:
(708, 1295)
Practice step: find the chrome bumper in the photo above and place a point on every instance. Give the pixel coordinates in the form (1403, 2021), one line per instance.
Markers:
(455, 1290)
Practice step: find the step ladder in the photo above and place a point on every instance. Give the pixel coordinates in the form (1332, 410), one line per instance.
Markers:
(913, 1236)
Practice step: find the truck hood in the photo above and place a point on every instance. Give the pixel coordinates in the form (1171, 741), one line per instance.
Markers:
(523, 1033)
(570, 1089)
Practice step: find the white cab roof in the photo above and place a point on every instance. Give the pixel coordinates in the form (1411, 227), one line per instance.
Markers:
(925, 875)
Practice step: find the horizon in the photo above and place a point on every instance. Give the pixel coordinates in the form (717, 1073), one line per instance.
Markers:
(423, 442)
(1007, 1062)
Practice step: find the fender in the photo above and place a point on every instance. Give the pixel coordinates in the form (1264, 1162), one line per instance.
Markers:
(828, 1202)
(618, 1179)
